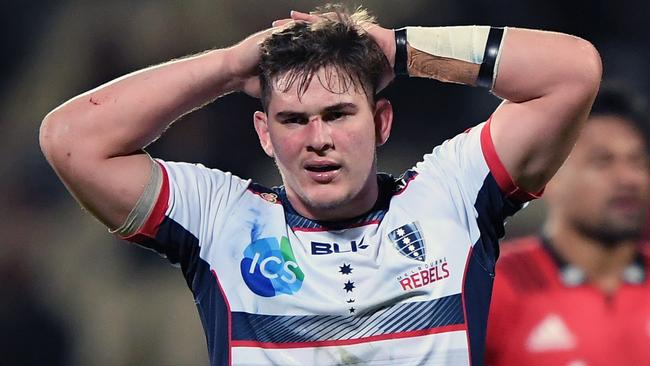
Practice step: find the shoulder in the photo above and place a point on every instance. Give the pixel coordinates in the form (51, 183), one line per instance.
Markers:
(522, 264)
(644, 252)
(269, 195)
(197, 179)
(462, 149)
(193, 170)
(520, 247)
(644, 249)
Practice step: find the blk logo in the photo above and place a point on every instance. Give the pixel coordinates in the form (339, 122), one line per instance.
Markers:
(269, 268)
(319, 248)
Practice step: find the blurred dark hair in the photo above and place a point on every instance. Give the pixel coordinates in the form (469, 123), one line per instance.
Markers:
(615, 99)
(336, 43)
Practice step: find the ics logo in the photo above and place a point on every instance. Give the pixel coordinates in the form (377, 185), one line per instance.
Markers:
(269, 268)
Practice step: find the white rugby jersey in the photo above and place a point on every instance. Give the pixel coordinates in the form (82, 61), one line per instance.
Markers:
(408, 283)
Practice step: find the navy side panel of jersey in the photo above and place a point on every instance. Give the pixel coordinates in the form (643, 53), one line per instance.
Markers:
(211, 304)
(492, 208)
(477, 291)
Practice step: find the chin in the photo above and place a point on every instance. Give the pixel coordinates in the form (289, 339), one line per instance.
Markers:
(327, 203)
(611, 235)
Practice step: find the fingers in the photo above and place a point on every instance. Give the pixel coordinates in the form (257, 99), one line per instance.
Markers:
(281, 22)
(311, 18)
(297, 15)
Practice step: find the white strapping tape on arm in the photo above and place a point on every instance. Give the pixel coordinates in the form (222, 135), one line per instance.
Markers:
(142, 209)
(466, 43)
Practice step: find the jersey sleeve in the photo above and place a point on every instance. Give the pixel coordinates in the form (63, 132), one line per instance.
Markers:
(471, 157)
(468, 167)
(191, 207)
(499, 172)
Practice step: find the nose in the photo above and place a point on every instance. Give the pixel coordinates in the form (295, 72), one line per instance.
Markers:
(319, 136)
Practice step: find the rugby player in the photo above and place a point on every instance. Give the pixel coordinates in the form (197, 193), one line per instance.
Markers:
(578, 293)
(340, 265)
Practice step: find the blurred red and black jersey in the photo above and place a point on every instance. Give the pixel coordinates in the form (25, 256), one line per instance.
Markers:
(544, 312)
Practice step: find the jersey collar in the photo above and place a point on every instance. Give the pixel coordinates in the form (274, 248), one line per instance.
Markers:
(572, 276)
(387, 187)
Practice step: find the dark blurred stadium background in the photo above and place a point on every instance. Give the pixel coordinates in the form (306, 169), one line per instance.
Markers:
(70, 294)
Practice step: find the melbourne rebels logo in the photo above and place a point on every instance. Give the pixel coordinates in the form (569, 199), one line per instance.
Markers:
(269, 268)
(408, 241)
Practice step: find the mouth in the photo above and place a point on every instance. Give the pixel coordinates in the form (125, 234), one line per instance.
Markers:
(627, 204)
(322, 172)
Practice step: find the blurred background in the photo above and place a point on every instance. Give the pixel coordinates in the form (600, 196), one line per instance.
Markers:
(70, 293)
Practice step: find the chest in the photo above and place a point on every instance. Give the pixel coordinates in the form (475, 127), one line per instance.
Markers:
(583, 324)
(273, 268)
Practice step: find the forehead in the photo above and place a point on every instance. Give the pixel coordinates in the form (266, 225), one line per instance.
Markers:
(325, 87)
(611, 133)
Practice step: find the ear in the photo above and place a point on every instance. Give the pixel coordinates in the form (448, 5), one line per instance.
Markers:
(260, 121)
(383, 120)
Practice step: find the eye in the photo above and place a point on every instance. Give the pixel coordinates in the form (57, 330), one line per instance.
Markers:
(295, 120)
(600, 161)
(333, 116)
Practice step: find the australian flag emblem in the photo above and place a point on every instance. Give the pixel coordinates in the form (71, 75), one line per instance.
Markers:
(408, 241)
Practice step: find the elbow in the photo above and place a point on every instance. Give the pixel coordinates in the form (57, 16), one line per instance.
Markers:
(589, 67)
(55, 138)
(47, 136)
(579, 74)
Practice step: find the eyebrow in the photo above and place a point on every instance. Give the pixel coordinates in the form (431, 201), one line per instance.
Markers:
(351, 107)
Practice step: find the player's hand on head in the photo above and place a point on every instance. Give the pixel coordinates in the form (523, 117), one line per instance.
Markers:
(244, 58)
(384, 37)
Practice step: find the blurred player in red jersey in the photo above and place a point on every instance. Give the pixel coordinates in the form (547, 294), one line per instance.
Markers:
(579, 294)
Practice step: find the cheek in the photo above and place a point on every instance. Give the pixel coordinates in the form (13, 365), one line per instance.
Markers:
(577, 198)
(360, 142)
(572, 186)
(589, 190)
(645, 186)
(286, 147)
(644, 180)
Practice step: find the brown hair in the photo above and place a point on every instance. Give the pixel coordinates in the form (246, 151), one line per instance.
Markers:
(336, 42)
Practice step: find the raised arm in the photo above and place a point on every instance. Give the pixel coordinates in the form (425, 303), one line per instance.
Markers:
(548, 82)
(94, 141)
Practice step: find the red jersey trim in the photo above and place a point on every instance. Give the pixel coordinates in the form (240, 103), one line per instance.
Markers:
(343, 342)
(498, 170)
(151, 225)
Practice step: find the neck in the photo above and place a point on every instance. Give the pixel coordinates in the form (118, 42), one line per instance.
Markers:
(349, 207)
(602, 264)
